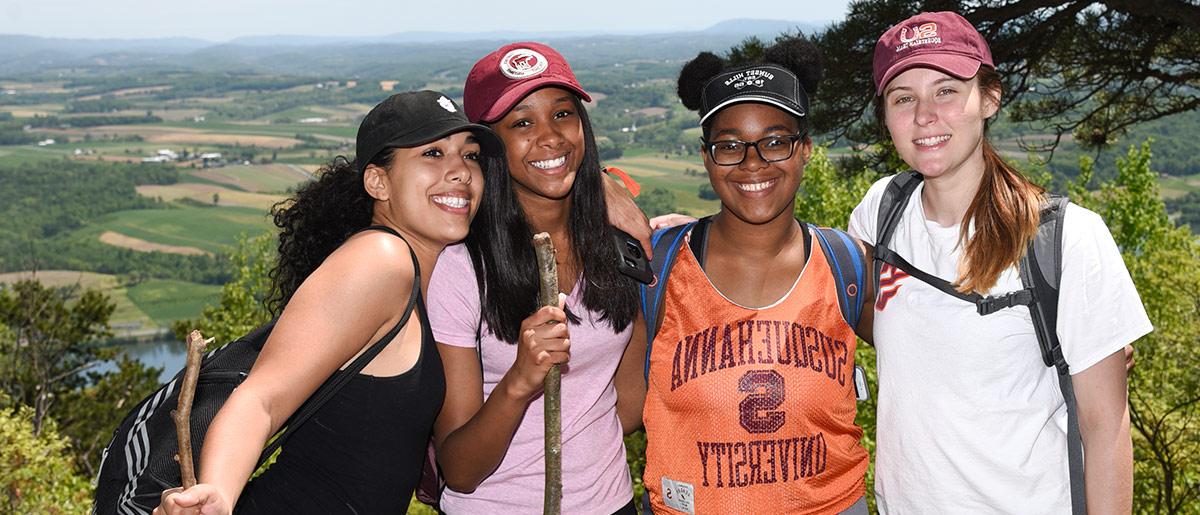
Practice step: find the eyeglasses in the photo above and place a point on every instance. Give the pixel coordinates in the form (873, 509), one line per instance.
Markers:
(770, 149)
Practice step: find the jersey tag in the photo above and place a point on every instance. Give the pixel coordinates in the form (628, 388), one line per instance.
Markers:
(678, 495)
(860, 384)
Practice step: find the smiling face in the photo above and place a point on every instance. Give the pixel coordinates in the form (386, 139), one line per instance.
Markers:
(754, 190)
(543, 141)
(936, 122)
(432, 190)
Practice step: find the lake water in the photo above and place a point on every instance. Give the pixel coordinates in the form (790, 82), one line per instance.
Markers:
(168, 355)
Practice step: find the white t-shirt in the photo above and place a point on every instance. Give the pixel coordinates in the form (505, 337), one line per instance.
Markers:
(969, 418)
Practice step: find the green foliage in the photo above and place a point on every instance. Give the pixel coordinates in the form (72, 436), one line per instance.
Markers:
(44, 204)
(1188, 207)
(51, 343)
(1164, 261)
(827, 195)
(89, 121)
(826, 198)
(88, 415)
(241, 305)
(658, 201)
(1091, 69)
(635, 456)
(99, 105)
(45, 354)
(35, 468)
(706, 192)
(44, 199)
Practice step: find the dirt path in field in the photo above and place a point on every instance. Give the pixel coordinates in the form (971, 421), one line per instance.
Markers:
(120, 240)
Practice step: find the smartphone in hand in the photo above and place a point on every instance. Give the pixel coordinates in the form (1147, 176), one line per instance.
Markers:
(631, 260)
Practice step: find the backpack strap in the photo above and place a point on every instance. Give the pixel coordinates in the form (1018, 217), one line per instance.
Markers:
(891, 207)
(339, 378)
(666, 245)
(1041, 273)
(846, 260)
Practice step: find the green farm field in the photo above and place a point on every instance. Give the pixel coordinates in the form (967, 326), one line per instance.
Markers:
(652, 170)
(127, 313)
(211, 229)
(1174, 187)
(166, 300)
(275, 178)
(16, 155)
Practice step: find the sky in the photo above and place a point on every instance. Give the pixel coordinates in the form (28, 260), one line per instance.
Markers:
(222, 20)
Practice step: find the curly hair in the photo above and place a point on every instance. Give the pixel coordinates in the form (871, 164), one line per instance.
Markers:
(315, 221)
(795, 53)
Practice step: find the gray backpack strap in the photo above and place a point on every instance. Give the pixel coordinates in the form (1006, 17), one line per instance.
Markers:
(1041, 271)
(891, 207)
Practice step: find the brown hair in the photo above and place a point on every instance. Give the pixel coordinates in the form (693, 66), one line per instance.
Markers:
(1004, 212)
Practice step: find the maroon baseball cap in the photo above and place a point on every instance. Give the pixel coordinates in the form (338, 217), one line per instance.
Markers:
(502, 78)
(943, 41)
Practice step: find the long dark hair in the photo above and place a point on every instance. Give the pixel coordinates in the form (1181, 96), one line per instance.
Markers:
(500, 241)
(315, 221)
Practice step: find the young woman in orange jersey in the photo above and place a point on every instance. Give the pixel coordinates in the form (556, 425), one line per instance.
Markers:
(984, 426)
(750, 400)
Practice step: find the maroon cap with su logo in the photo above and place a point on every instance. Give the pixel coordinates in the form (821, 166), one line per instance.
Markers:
(943, 41)
(502, 78)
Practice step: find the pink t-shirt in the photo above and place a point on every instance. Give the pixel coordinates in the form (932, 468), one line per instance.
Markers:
(595, 475)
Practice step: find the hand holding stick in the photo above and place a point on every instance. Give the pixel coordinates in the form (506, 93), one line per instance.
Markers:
(552, 399)
(183, 413)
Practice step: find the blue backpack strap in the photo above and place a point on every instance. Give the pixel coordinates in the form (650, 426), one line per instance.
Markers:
(666, 245)
(846, 261)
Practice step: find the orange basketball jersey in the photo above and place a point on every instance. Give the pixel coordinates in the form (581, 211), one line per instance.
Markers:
(752, 410)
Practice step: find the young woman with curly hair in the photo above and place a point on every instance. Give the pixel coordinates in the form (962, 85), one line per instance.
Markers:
(355, 246)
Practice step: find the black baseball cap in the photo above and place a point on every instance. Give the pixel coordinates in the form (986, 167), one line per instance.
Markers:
(415, 118)
(762, 83)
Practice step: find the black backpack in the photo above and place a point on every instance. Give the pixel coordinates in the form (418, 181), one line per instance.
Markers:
(1040, 269)
(139, 463)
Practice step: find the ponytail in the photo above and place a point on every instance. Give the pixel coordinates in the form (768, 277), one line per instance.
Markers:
(1004, 213)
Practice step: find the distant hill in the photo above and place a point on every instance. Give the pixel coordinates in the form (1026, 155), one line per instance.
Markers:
(333, 55)
(764, 27)
(17, 45)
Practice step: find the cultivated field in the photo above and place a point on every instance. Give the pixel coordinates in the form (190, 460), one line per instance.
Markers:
(120, 240)
(211, 229)
(654, 170)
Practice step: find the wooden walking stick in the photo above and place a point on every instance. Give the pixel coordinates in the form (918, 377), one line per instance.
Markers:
(183, 412)
(551, 389)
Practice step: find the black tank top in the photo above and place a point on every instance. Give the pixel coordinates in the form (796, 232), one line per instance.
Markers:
(363, 451)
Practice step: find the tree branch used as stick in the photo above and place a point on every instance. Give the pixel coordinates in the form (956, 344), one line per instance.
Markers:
(183, 413)
(551, 398)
